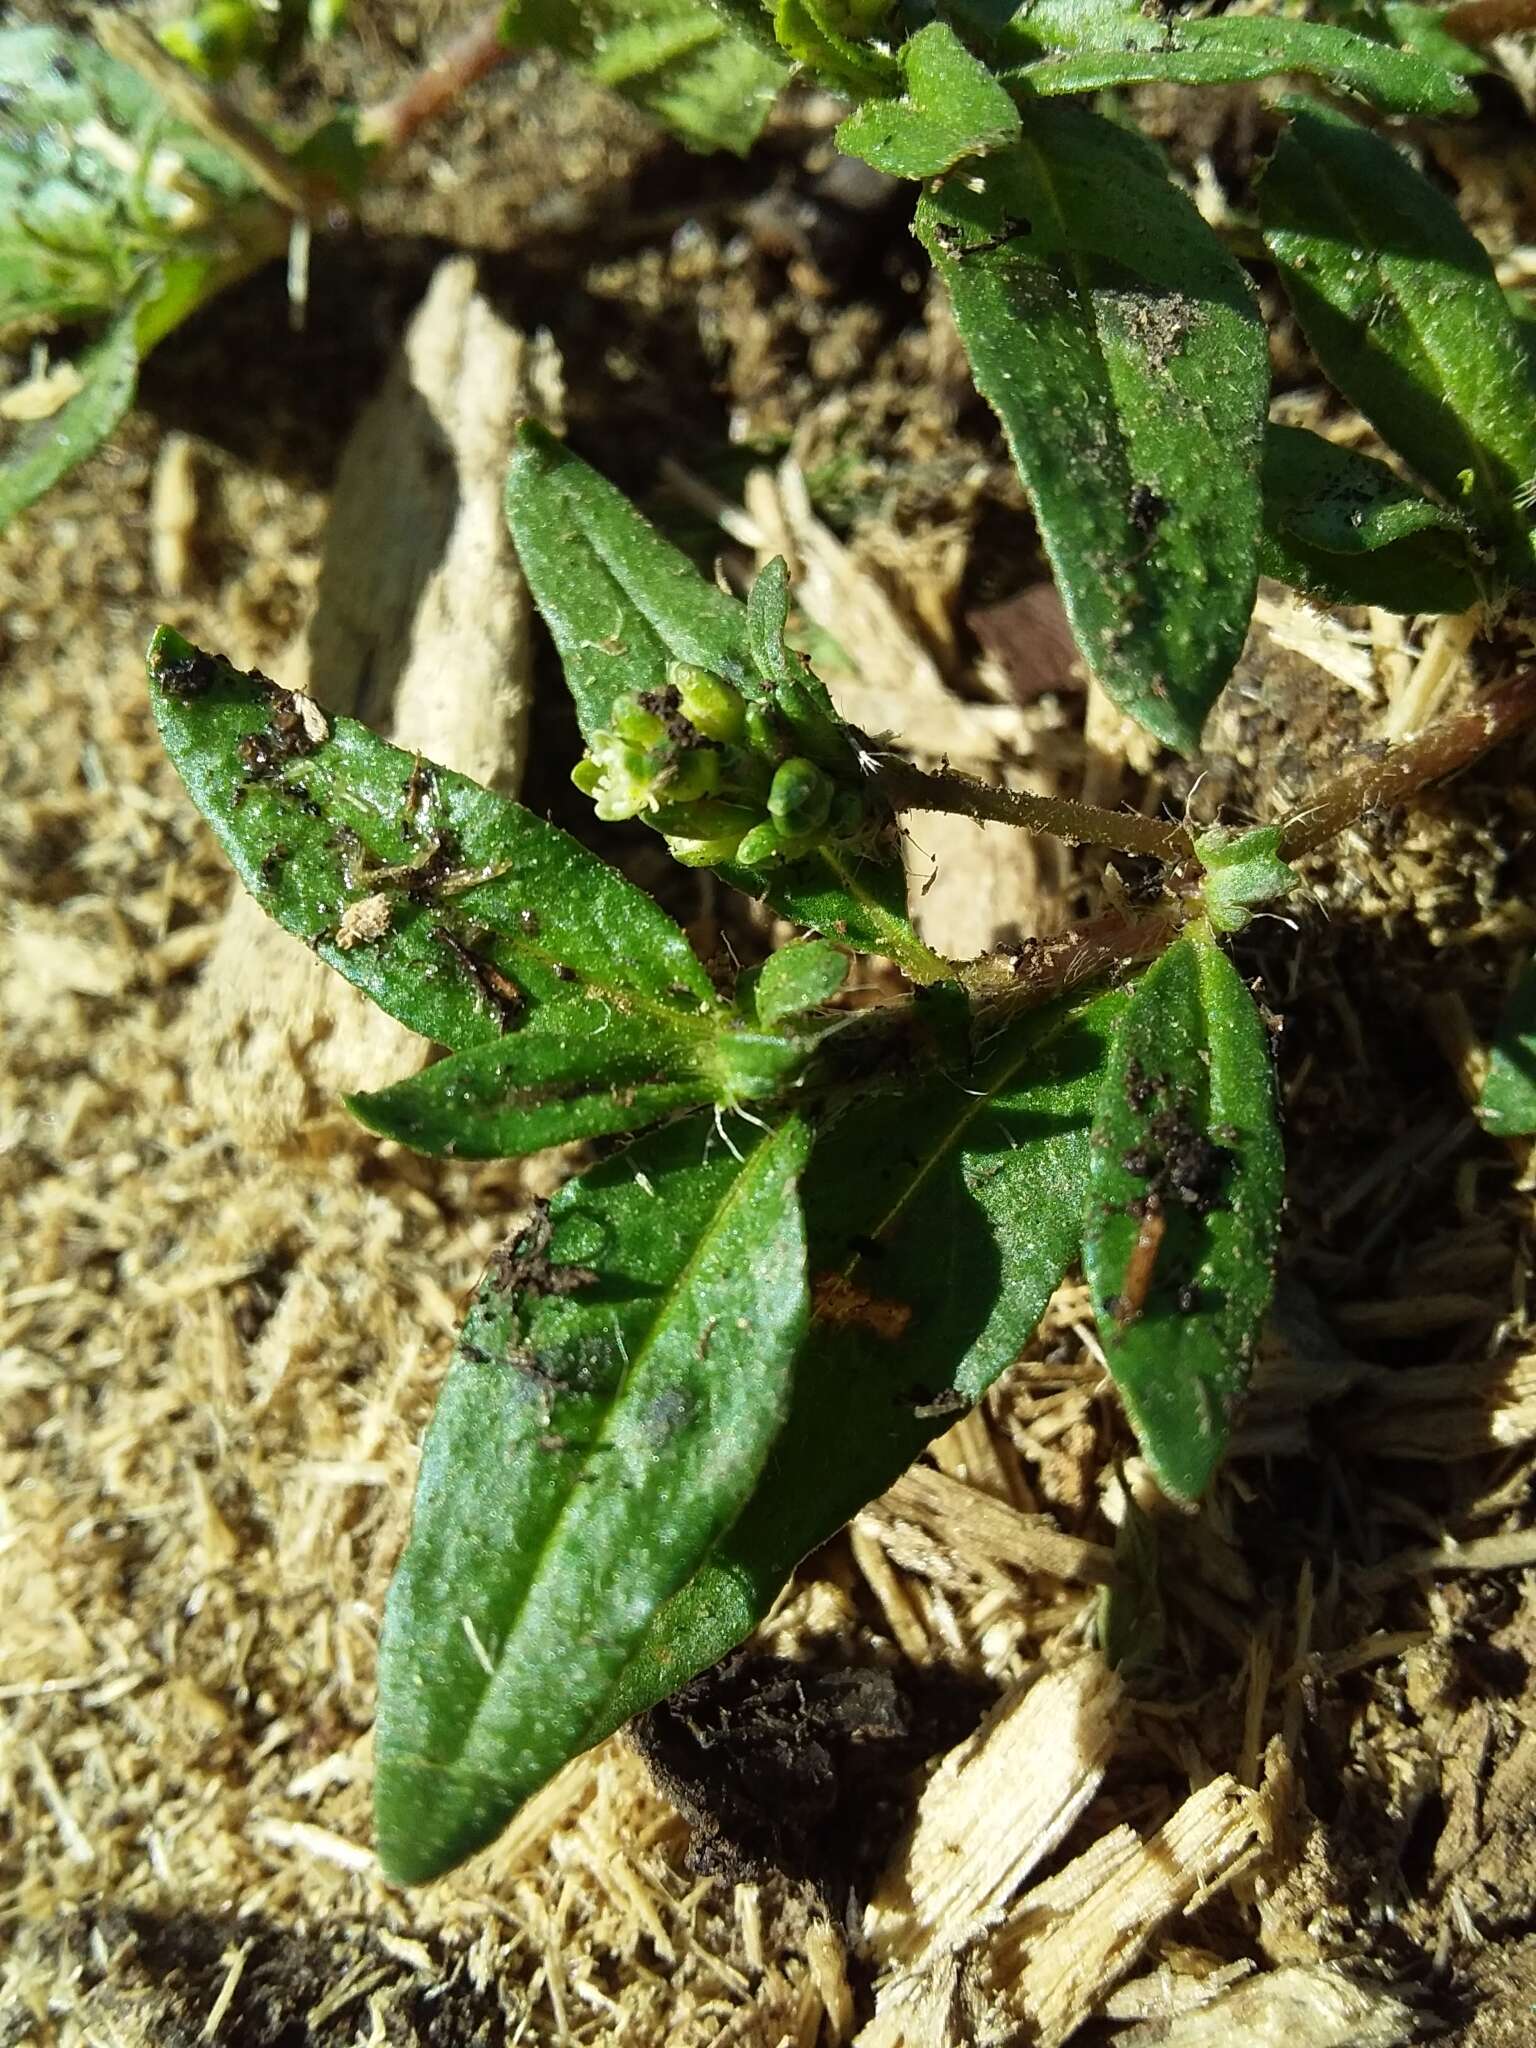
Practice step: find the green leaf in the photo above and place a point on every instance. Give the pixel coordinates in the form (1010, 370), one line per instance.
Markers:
(1184, 1208)
(951, 107)
(1243, 870)
(767, 618)
(580, 1068)
(87, 206)
(48, 449)
(612, 1401)
(109, 210)
(798, 978)
(1086, 45)
(475, 909)
(1508, 1105)
(940, 1219)
(620, 601)
(679, 60)
(1411, 25)
(1400, 304)
(828, 37)
(1121, 347)
(623, 605)
(1346, 528)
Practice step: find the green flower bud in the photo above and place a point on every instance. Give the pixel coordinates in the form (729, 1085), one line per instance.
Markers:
(703, 835)
(762, 847)
(847, 817)
(800, 799)
(216, 39)
(709, 704)
(689, 775)
(763, 732)
(642, 728)
(587, 776)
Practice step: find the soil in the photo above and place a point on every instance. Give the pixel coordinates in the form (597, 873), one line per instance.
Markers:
(217, 1360)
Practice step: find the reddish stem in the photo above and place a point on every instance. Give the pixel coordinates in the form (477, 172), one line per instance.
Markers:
(477, 52)
(1443, 750)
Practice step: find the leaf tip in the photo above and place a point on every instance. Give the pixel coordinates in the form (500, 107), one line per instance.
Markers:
(428, 1819)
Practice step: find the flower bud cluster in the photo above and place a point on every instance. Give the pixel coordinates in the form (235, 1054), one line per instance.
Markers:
(719, 777)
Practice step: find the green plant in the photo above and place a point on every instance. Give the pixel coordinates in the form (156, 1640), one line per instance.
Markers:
(722, 1339)
(133, 189)
(838, 1226)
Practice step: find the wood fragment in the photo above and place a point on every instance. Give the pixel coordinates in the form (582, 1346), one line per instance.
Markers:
(1042, 1750)
(1070, 1970)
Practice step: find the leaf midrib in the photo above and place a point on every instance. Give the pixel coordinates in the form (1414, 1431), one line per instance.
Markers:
(1365, 238)
(757, 1162)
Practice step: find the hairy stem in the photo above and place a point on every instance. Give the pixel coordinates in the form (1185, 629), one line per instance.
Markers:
(1401, 773)
(477, 52)
(917, 789)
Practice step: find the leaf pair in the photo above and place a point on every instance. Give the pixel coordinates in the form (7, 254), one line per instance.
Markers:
(937, 1222)
(1121, 348)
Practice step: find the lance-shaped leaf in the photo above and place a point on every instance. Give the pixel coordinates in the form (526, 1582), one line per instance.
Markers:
(581, 1068)
(1086, 45)
(950, 107)
(682, 61)
(1508, 1104)
(615, 1392)
(1184, 1207)
(453, 908)
(1344, 527)
(1400, 304)
(939, 1220)
(623, 605)
(1121, 347)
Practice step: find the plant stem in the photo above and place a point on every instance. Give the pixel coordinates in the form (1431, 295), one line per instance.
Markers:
(1401, 773)
(1479, 21)
(126, 38)
(917, 789)
(1043, 968)
(477, 52)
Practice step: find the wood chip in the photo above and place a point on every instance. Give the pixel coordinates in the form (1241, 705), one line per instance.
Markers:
(1041, 1753)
